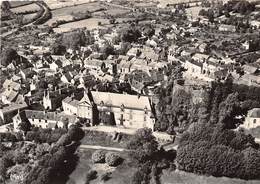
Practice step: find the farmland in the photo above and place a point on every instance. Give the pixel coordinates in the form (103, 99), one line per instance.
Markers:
(90, 23)
(77, 8)
(14, 4)
(33, 7)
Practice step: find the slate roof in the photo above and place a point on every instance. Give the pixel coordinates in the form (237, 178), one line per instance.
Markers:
(53, 116)
(13, 107)
(71, 101)
(116, 100)
(13, 85)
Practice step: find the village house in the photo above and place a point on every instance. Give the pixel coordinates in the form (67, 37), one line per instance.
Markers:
(227, 28)
(27, 73)
(10, 84)
(67, 77)
(252, 119)
(55, 65)
(8, 96)
(44, 119)
(83, 108)
(70, 105)
(7, 112)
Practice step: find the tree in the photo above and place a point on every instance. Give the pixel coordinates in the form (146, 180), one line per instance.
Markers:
(112, 159)
(8, 55)
(228, 110)
(107, 50)
(74, 40)
(91, 175)
(130, 35)
(148, 30)
(98, 156)
(143, 145)
(252, 163)
(58, 49)
(76, 133)
(25, 126)
(106, 176)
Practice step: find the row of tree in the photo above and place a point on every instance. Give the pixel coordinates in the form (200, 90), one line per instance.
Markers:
(210, 150)
(210, 145)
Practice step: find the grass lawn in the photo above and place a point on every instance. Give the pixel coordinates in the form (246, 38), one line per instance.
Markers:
(121, 174)
(104, 139)
(180, 177)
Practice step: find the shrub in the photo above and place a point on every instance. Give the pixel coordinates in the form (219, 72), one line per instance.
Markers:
(91, 175)
(98, 156)
(112, 159)
(105, 176)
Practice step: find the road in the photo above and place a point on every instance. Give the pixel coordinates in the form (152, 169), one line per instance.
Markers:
(30, 24)
(101, 148)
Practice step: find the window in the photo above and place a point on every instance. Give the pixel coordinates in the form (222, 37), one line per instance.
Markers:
(254, 121)
(131, 115)
(144, 117)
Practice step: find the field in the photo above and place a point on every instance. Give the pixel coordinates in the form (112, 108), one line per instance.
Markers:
(58, 4)
(103, 139)
(112, 12)
(54, 19)
(77, 8)
(179, 177)
(29, 7)
(14, 4)
(90, 23)
(29, 16)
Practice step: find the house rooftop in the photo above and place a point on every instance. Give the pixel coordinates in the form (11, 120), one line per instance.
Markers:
(117, 100)
(13, 107)
(254, 113)
(54, 116)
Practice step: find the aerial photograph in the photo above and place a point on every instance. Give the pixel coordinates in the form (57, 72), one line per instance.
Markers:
(130, 92)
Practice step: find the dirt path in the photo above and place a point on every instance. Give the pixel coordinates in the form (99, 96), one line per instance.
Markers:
(84, 146)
